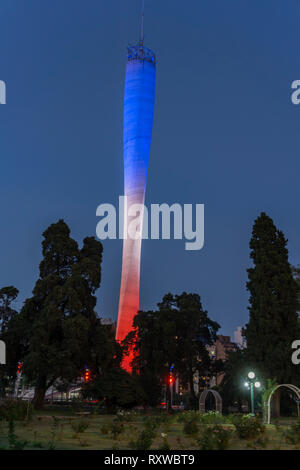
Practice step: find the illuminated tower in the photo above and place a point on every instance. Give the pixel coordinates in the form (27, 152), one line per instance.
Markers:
(137, 131)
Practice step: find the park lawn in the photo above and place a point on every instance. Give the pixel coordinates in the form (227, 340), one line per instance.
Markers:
(45, 432)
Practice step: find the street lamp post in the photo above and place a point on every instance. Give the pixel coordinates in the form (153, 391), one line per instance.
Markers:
(251, 383)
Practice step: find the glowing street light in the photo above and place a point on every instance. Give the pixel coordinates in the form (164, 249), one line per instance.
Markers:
(252, 383)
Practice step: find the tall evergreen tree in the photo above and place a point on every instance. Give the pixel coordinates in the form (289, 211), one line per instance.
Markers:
(57, 321)
(273, 322)
(296, 275)
(8, 335)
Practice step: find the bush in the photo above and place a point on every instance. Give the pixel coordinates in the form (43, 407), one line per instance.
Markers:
(259, 443)
(186, 416)
(146, 437)
(247, 426)
(17, 410)
(212, 417)
(144, 440)
(126, 416)
(191, 426)
(80, 426)
(292, 434)
(165, 444)
(116, 428)
(152, 423)
(105, 428)
(14, 443)
(37, 444)
(214, 438)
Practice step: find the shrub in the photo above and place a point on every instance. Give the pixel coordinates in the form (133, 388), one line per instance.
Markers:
(191, 426)
(144, 440)
(53, 434)
(212, 417)
(259, 443)
(80, 426)
(292, 434)
(214, 438)
(165, 443)
(116, 428)
(37, 444)
(248, 427)
(17, 410)
(83, 443)
(146, 437)
(105, 428)
(152, 423)
(186, 416)
(166, 420)
(14, 443)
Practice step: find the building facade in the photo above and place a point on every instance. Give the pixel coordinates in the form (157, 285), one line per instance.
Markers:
(219, 351)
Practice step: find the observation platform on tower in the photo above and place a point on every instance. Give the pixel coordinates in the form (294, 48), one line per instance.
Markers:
(140, 52)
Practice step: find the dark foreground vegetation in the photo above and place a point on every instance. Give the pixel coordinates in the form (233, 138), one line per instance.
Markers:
(76, 428)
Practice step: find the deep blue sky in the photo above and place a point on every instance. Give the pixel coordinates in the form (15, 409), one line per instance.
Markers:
(226, 134)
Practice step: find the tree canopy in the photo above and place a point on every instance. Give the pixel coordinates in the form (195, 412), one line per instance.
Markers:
(173, 337)
(273, 323)
(57, 321)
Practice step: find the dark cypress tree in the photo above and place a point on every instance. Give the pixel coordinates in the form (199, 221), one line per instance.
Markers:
(7, 296)
(273, 322)
(57, 322)
(12, 344)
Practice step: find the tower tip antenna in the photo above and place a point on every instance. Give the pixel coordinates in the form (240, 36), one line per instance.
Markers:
(142, 23)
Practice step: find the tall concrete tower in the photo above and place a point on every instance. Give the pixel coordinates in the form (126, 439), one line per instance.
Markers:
(138, 120)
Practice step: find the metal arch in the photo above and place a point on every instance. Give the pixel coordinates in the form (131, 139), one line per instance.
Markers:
(2, 352)
(217, 398)
(290, 387)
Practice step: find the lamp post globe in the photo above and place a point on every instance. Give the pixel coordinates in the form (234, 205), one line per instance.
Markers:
(252, 383)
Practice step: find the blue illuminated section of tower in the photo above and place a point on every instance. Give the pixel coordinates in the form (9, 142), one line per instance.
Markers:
(138, 121)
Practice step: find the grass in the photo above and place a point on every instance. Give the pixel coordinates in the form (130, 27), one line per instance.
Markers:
(52, 429)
